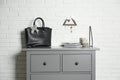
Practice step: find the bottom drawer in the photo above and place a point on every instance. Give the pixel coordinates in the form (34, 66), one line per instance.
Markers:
(62, 77)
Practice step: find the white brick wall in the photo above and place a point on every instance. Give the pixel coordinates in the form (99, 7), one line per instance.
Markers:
(102, 15)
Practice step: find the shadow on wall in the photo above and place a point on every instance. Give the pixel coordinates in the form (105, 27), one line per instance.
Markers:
(20, 73)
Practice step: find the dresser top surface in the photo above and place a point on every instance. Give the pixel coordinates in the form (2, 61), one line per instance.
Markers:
(60, 48)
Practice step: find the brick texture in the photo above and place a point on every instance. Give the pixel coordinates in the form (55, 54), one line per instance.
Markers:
(102, 15)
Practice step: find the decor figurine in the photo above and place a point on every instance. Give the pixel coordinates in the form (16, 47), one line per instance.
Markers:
(90, 37)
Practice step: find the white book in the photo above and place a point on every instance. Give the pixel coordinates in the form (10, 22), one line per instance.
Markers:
(72, 45)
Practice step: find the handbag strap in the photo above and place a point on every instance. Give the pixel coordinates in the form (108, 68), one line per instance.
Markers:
(43, 24)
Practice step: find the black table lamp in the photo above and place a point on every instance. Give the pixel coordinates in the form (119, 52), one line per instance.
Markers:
(70, 22)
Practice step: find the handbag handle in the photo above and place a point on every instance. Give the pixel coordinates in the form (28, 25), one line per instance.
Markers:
(43, 24)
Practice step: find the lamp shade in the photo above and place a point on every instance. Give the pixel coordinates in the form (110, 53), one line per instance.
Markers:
(69, 22)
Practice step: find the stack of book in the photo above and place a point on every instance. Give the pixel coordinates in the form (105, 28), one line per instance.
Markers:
(72, 45)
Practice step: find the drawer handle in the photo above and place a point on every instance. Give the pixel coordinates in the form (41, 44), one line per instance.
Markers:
(44, 63)
(76, 63)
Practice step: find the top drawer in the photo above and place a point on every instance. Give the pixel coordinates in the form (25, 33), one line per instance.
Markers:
(44, 63)
(77, 62)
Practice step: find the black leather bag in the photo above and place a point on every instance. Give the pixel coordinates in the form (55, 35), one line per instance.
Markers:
(38, 36)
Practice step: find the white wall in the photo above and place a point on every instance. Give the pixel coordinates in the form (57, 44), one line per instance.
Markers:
(102, 15)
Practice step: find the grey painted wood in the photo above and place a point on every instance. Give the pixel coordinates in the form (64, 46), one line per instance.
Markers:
(76, 62)
(45, 63)
(62, 77)
(60, 63)
(28, 66)
(93, 66)
(54, 52)
(60, 48)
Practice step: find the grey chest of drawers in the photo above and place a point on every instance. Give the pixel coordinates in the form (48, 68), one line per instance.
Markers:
(61, 63)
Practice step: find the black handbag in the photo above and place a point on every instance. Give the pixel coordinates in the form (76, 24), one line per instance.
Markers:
(38, 36)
